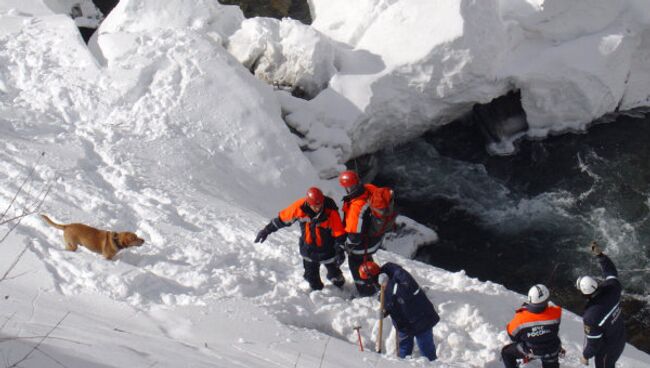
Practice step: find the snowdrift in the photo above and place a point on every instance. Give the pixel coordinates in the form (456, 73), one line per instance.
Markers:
(404, 67)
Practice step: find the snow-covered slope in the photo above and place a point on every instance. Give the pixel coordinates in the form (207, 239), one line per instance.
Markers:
(169, 136)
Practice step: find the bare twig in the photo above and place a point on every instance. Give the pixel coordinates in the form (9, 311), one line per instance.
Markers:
(27, 212)
(51, 357)
(15, 262)
(7, 321)
(20, 338)
(13, 277)
(19, 217)
(39, 202)
(40, 342)
(322, 358)
(30, 176)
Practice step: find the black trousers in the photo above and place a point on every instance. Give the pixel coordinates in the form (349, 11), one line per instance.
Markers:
(511, 352)
(607, 357)
(312, 274)
(364, 287)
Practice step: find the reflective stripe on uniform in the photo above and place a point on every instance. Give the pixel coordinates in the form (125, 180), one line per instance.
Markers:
(371, 250)
(526, 319)
(328, 261)
(535, 323)
(607, 315)
(594, 337)
(361, 212)
(325, 261)
(278, 226)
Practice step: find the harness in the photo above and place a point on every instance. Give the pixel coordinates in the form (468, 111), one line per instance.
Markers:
(115, 239)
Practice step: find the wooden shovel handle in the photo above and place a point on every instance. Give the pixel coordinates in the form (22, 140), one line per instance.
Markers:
(381, 319)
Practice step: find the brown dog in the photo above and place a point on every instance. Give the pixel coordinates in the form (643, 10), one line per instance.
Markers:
(107, 243)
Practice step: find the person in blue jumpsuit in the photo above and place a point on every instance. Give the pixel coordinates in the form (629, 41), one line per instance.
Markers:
(407, 304)
(602, 318)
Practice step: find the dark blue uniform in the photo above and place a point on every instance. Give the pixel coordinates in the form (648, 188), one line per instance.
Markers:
(410, 310)
(603, 321)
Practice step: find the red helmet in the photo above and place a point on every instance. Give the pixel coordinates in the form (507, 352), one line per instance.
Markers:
(368, 269)
(348, 179)
(314, 197)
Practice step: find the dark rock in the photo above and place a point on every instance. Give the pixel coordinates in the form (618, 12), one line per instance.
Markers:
(295, 9)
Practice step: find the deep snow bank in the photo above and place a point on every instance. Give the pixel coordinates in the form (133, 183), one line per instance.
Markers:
(284, 52)
(406, 66)
(186, 81)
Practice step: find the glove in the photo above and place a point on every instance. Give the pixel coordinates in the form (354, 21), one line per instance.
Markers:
(595, 249)
(382, 279)
(261, 236)
(584, 360)
(353, 241)
(268, 229)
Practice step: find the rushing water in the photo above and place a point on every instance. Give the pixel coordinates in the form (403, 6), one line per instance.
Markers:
(528, 218)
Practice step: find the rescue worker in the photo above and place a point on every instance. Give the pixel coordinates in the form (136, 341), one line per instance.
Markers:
(407, 304)
(603, 322)
(534, 331)
(321, 228)
(359, 245)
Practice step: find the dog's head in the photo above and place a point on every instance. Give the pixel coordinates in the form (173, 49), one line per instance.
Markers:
(128, 239)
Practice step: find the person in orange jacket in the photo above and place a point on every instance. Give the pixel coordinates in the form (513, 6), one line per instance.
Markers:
(360, 245)
(534, 331)
(321, 228)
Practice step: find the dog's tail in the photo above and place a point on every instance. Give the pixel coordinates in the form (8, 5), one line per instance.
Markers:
(47, 219)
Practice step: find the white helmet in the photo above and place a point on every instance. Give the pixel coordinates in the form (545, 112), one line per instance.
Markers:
(538, 294)
(586, 284)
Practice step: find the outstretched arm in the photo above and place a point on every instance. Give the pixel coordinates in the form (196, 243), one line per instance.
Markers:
(271, 227)
(606, 264)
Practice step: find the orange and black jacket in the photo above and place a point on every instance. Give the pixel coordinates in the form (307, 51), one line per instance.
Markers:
(536, 329)
(356, 219)
(320, 232)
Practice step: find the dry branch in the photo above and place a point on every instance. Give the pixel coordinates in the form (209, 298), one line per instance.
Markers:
(29, 178)
(40, 342)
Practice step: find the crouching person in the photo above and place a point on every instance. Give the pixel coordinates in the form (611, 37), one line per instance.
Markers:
(321, 230)
(534, 331)
(407, 305)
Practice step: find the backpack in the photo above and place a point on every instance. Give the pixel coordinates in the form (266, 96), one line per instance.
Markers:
(381, 204)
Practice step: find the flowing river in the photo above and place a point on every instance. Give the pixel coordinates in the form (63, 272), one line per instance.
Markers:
(528, 218)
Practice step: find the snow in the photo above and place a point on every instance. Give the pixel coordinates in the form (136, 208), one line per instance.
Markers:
(407, 66)
(284, 52)
(160, 130)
